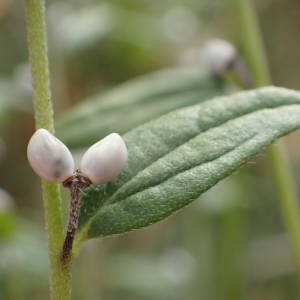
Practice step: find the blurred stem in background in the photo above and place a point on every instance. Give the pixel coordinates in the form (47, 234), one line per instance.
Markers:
(221, 224)
(230, 247)
(37, 46)
(253, 49)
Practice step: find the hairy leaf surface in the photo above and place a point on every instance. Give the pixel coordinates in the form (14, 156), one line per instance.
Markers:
(177, 157)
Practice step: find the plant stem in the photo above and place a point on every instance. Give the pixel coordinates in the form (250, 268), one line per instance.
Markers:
(60, 279)
(251, 41)
(253, 48)
(76, 184)
(232, 227)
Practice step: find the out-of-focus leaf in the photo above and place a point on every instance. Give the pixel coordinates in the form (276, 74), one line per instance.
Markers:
(25, 253)
(174, 159)
(136, 102)
(163, 277)
(13, 97)
(78, 29)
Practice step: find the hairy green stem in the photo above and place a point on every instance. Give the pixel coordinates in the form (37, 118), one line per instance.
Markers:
(37, 45)
(253, 48)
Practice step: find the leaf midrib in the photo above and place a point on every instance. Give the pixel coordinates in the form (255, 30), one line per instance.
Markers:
(84, 229)
(124, 185)
(108, 201)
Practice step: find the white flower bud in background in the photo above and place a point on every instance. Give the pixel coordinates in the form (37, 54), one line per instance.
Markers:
(221, 58)
(105, 159)
(49, 157)
(218, 55)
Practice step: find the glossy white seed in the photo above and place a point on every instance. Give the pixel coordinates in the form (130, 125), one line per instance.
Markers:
(104, 160)
(217, 55)
(49, 157)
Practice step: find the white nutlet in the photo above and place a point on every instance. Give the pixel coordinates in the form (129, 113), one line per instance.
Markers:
(218, 54)
(49, 157)
(105, 159)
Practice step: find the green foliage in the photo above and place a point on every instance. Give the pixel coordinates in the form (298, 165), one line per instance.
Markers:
(174, 159)
(23, 261)
(136, 102)
(7, 225)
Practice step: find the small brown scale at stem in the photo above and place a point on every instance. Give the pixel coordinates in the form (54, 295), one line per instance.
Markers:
(76, 184)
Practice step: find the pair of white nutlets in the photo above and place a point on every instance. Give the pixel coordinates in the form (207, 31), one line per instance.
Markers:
(53, 161)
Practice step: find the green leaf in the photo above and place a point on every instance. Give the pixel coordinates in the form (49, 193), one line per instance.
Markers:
(136, 102)
(174, 159)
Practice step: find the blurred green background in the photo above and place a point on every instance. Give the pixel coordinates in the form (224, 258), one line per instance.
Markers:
(230, 244)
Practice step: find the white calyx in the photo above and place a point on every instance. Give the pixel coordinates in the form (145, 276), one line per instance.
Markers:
(49, 157)
(105, 159)
(52, 160)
